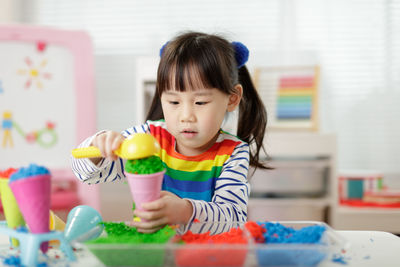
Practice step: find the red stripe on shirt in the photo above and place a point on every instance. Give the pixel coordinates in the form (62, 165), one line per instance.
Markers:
(167, 142)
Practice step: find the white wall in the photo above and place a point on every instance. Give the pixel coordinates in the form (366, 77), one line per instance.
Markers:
(115, 91)
(9, 11)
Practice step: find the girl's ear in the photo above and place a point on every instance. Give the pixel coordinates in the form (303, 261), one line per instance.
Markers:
(234, 99)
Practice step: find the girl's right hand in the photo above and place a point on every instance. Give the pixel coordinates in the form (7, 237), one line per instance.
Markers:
(107, 142)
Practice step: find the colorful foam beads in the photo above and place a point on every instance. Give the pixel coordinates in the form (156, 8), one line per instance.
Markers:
(234, 236)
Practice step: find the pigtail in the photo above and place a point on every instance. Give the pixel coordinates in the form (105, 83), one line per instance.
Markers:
(252, 119)
(155, 112)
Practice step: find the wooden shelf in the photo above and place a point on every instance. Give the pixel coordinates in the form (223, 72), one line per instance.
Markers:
(280, 209)
(368, 210)
(377, 219)
(318, 202)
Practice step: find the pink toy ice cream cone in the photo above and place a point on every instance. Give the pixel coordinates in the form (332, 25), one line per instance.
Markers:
(33, 197)
(145, 172)
(12, 213)
(145, 187)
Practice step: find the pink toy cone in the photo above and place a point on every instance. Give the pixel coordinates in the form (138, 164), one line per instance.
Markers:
(145, 187)
(33, 198)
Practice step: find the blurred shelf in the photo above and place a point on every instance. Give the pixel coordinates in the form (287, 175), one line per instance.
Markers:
(296, 143)
(319, 202)
(377, 219)
(275, 209)
(300, 185)
(368, 210)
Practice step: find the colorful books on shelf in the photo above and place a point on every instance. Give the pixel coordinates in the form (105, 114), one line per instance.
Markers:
(366, 190)
(383, 197)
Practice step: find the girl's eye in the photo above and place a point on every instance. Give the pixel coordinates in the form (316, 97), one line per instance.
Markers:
(174, 102)
(201, 103)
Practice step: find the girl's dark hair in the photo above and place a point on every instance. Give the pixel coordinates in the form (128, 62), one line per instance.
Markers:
(212, 59)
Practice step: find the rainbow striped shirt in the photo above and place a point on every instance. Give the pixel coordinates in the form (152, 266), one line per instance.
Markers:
(215, 181)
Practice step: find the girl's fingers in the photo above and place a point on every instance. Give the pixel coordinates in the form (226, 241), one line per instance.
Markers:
(150, 226)
(154, 205)
(147, 231)
(116, 143)
(148, 215)
(107, 142)
(166, 193)
(109, 153)
(160, 203)
(99, 141)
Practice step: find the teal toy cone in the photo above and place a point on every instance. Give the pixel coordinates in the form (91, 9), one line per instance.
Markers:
(83, 223)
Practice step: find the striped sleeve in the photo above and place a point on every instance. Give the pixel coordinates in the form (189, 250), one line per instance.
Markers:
(106, 170)
(228, 206)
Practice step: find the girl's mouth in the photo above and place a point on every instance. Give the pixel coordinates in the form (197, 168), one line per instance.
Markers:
(188, 133)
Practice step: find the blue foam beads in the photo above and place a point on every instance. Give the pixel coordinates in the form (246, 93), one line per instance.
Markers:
(26, 172)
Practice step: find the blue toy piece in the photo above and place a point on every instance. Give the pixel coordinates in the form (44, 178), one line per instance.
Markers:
(30, 243)
(83, 223)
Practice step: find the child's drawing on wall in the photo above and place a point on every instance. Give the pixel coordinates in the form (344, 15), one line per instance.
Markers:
(7, 125)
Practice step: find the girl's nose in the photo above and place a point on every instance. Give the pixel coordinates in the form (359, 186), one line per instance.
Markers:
(187, 114)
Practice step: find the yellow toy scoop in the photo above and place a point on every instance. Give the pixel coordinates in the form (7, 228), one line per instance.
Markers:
(136, 146)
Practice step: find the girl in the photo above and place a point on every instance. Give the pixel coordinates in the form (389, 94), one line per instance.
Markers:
(200, 79)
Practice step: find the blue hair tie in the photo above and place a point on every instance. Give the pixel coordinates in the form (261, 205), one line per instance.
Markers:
(162, 48)
(241, 53)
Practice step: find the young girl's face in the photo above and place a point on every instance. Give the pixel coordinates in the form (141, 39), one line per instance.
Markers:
(194, 117)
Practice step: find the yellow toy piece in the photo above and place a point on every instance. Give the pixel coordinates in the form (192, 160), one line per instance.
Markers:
(55, 224)
(12, 213)
(86, 152)
(137, 146)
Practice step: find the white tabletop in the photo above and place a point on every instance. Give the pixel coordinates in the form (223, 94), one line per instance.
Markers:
(367, 248)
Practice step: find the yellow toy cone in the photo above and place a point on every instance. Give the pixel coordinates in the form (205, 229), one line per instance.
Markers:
(12, 213)
(55, 224)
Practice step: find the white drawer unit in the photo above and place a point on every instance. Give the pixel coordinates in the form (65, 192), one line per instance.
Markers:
(300, 187)
(292, 177)
(275, 209)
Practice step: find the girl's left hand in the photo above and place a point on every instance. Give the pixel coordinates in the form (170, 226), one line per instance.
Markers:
(168, 209)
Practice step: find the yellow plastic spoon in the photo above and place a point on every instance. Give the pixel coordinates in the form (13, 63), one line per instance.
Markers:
(136, 146)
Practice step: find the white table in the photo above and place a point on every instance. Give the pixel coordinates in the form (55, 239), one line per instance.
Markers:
(367, 248)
